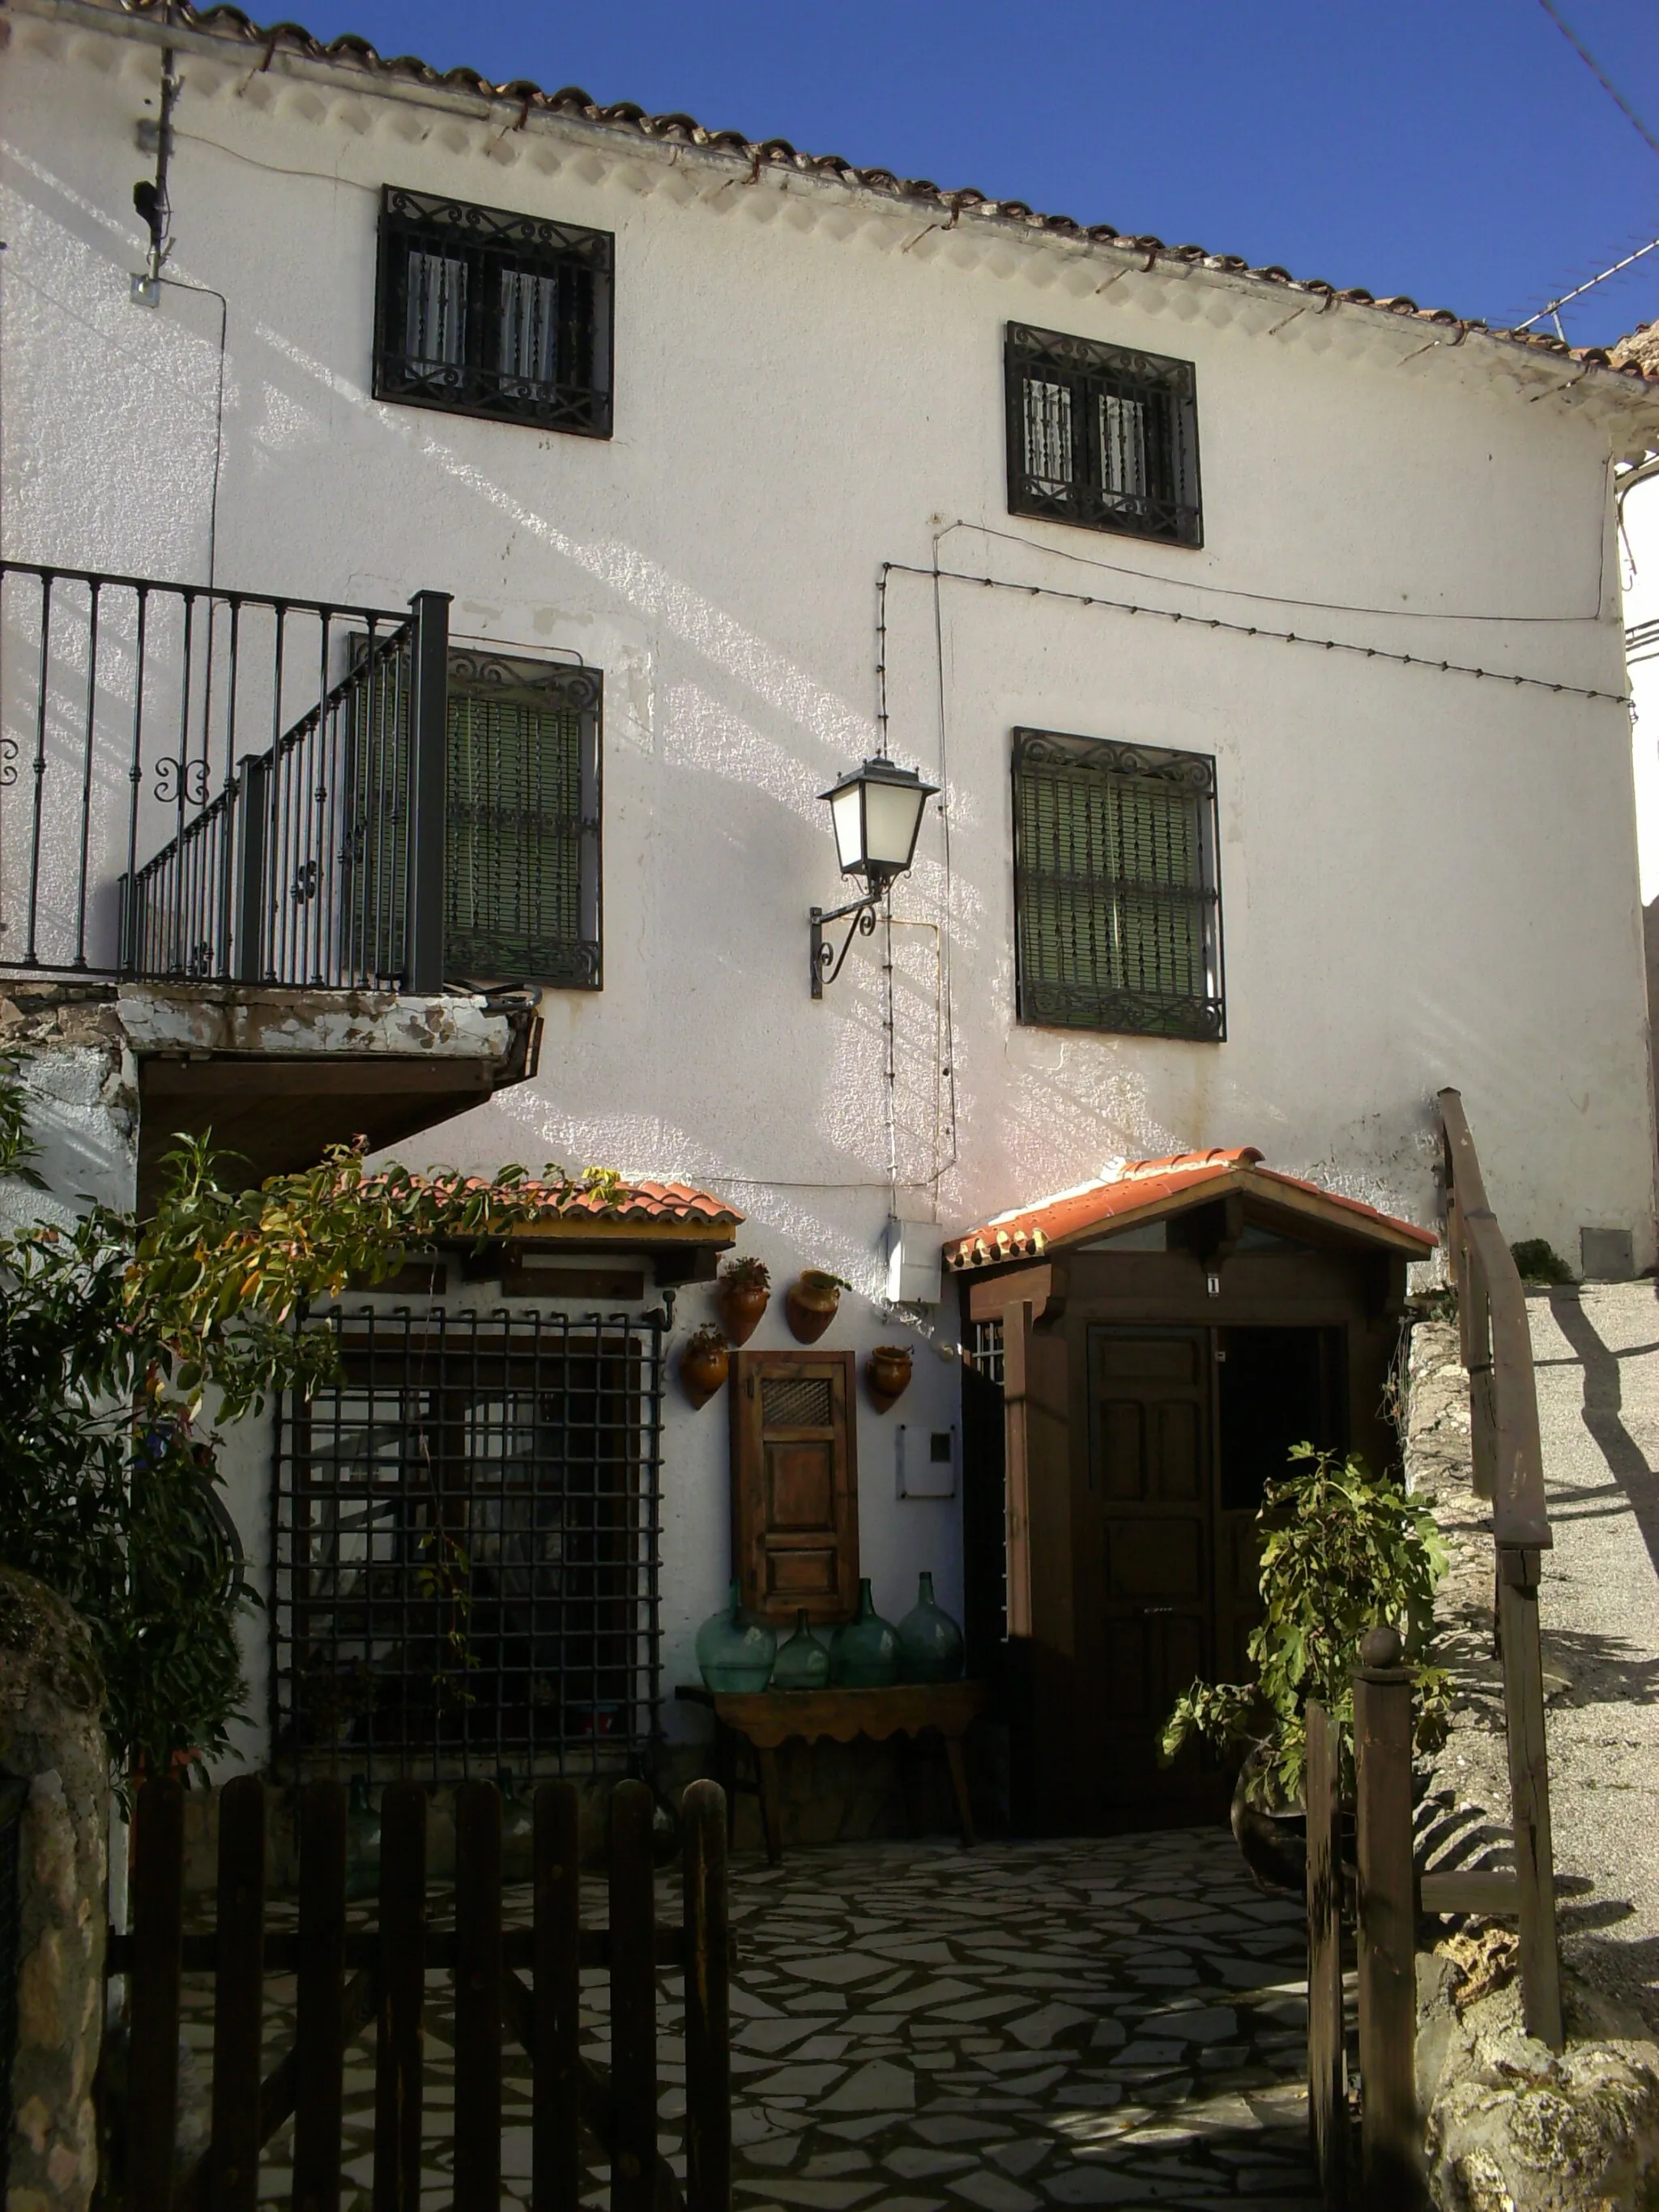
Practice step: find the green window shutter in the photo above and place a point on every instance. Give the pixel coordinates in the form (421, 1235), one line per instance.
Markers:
(513, 865)
(1115, 920)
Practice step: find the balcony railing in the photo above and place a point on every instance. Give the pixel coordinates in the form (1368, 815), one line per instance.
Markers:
(219, 786)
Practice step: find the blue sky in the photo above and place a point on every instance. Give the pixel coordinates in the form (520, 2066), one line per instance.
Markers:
(1455, 150)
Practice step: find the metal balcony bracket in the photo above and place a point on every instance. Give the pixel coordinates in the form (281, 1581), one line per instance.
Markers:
(827, 962)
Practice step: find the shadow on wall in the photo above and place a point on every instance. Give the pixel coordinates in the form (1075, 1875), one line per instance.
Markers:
(1650, 948)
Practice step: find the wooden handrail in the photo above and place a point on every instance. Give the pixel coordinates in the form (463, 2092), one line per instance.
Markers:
(1519, 1515)
(1496, 1340)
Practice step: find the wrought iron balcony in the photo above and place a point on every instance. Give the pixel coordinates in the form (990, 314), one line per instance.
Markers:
(220, 786)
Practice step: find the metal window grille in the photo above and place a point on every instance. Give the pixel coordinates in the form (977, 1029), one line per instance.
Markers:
(985, 1352)
(1102, 436)
(483, 311)
(467, 1525)
(1116, 888)
(985, 1522)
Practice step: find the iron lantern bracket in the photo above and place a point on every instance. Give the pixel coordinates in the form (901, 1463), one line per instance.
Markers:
(827, 962)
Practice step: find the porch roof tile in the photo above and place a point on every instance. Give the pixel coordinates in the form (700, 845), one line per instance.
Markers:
(1151, 1188)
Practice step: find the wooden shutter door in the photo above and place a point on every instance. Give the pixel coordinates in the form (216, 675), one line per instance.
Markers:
(795, 1484)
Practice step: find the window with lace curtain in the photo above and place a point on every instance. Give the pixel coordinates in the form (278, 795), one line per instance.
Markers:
(1117, 900)
(482, 312)
(1102, 436)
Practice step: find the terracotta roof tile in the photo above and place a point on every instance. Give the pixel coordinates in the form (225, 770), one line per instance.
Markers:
(778, 153)
(1145, 1186)
(644, 1202)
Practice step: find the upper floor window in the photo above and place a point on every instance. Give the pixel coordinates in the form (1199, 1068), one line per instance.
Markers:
(485, 313)
(1117, 906)
(1102, 436)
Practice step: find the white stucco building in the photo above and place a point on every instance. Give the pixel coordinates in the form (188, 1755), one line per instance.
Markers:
(1256, 618)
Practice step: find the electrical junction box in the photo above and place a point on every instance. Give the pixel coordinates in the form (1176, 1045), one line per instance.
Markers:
(925, 1460)
(914, 1262)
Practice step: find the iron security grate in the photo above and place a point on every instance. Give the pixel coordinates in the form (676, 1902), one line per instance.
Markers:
(790, 1401)
(468, 1547)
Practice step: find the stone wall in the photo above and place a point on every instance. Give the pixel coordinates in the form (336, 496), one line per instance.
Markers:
(49, 1731)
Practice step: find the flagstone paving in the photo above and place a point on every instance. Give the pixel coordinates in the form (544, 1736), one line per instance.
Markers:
(918, 2028)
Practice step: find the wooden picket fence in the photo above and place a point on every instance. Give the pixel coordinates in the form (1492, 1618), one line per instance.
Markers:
(1388, 1895)
(347, 1977)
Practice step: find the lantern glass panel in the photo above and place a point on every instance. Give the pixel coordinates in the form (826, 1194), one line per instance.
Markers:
(847, 816)
(893, 815)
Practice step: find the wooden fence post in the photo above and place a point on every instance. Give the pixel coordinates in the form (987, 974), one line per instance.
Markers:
(1328, 2108)
(399, 2051)
(238, 1997)
(318, 2017)
(556, 2153)
(708, 2001)
(1529, 1792)
(1390, 2135)
(158, 1887)
(633, 2000)
(477, 1997)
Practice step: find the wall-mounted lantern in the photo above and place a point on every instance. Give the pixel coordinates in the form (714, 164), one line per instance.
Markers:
(876, 813)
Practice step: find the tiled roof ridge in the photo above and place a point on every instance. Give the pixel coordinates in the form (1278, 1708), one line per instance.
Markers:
(643, 1200)
(684, 130)
(1020, 1233)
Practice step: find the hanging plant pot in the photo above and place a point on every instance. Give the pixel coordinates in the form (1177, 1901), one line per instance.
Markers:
(810, 1301)
(745, 1291)
(888, 1373)
(704, 1365)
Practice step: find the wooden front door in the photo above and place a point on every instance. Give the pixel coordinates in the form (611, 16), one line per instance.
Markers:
(1146, 1584)
(795, 1484)
(1186, 1426)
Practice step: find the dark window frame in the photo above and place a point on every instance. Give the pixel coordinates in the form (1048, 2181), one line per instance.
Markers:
(576, 963)
(1121, 427)
(464, 370)
(1104, 1004)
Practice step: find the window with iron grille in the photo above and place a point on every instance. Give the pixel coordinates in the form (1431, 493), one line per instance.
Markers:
(1102, 436)
(483, 311)
(467, 1547)
(1117, 890)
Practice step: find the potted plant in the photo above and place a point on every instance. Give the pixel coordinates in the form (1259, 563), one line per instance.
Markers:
(889, 1373)
(811, 1301)
(1342, 1551)
(704, 1365)
(746, 1287)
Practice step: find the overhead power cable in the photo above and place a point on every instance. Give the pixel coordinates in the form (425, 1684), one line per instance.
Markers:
(1597, 72)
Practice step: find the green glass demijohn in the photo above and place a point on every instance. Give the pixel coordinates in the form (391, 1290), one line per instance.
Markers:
(864, 1654)
(931, 1648)
(518, 1831)
(362, 1842)
(735, 1651)
(803, 1663)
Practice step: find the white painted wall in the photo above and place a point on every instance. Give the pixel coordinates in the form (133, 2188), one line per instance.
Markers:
(1427, 878)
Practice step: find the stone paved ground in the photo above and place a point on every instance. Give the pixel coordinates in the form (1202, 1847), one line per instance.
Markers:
(918, 2028)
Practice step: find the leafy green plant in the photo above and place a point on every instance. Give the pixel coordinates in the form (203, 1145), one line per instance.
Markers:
(1341, 1552)
(115, 1338)
(746, 1273)
(1539, 1264)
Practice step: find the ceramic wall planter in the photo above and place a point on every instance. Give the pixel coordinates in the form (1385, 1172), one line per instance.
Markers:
(931, 1647)
(744, 1294)
(865, 1652)
(704, 1365)
(735, 1651)
(889, 1374)
(810, 1303)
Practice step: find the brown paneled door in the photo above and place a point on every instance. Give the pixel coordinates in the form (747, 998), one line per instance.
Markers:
(795, 1484)
(1147, 1597)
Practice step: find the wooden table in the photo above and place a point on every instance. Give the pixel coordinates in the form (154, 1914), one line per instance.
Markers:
(766, 1719)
